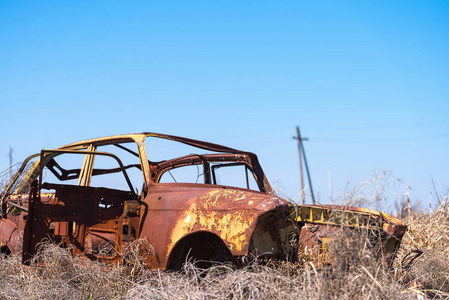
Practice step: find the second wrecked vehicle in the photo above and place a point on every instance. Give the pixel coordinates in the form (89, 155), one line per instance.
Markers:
(213, 206)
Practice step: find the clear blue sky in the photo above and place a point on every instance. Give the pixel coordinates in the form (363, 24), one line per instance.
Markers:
(368, 82)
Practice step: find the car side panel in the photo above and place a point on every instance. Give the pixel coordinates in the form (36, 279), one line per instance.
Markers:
(172, 211)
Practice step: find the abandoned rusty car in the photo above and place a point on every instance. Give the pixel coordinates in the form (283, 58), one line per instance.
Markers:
(207, 203)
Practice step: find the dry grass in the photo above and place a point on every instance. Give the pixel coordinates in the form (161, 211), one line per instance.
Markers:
(354, 273)
(55, 274)
(427, 233)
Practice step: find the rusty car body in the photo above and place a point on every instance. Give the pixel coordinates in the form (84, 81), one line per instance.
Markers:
(213, 206)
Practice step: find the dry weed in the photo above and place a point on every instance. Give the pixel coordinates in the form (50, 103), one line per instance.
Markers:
(55, 274)
(428, 233)
(354, 273)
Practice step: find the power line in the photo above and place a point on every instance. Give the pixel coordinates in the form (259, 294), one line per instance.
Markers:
(371, 141)
(381, 126)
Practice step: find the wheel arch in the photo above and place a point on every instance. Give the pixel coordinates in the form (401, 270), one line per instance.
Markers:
(203, 247)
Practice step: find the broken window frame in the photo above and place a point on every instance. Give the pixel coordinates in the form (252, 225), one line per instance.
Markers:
(47, 156)
(226, 160)
(150, 169)
(213, 168)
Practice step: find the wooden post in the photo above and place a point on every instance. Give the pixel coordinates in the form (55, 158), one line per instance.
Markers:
(298, 137)
(10, 163)
(302, 154)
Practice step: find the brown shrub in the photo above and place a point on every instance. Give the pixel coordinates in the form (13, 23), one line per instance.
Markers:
(55, 274)
(354, 273)
(428, 233)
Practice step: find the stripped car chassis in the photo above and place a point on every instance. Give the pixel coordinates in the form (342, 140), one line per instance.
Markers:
(203, 220)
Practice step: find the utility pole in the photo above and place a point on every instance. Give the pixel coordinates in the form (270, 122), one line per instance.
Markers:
(298, 137)
(302, 153)
(10, 162)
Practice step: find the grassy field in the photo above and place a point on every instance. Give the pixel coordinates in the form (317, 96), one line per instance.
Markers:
(353, 273)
